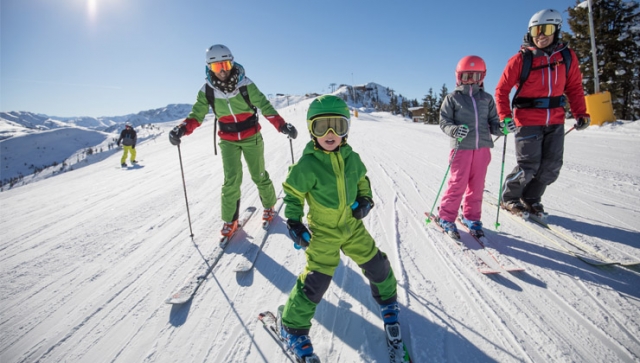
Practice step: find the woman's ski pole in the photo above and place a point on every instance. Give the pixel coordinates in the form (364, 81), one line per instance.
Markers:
(291, 147)
(184, 185)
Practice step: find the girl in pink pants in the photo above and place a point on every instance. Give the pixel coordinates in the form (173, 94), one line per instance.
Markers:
(469, 116)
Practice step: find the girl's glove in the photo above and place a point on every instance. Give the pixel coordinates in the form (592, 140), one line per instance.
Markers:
(461, 132)
(298, 233)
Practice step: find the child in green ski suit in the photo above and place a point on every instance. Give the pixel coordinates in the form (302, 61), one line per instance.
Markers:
(332, 179)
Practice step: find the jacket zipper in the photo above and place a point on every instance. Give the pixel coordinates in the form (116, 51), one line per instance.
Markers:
(475, 110)
(235, 120)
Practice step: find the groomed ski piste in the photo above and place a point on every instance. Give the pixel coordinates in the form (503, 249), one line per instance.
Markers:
(89, 257)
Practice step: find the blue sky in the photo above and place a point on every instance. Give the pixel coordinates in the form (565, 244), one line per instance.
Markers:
(115, 57)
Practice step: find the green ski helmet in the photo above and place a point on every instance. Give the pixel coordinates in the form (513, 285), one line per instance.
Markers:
(327, 105)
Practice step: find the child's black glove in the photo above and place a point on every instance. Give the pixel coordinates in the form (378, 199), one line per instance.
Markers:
(361, 207)
(299, 234)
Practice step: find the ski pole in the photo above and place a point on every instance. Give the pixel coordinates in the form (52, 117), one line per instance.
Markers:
(184, 185)
(571, 129)
(455, 151)
(504, 151)
(291, 147)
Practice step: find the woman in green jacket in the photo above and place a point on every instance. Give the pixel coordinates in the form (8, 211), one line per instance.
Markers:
(332, 179)
(233, 98)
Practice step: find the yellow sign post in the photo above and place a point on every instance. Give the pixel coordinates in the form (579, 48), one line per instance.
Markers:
(600, 108)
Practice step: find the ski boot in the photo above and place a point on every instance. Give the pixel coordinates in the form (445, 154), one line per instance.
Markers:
(535, 208)
(389, 313)
(124, 165)
(134, 162)
(391, 325)
(475, 227)
(228, 230)
(515, 207)
(267, 217)
(449, 228)
(299, 345)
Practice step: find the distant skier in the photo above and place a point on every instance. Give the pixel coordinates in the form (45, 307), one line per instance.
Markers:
(128, 138)
(469, 116)
(538, 110)
(332, 179)
(232, 97)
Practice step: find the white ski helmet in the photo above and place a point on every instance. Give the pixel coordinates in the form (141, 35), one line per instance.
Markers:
(218, 53)
(546, 16)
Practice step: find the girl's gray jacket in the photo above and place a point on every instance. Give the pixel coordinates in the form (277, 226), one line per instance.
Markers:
(470, 105)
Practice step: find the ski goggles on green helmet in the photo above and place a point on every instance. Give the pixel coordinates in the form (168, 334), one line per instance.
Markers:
(320, 126)
(546, 29)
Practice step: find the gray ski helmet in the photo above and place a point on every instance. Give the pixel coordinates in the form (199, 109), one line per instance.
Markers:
(218, 53)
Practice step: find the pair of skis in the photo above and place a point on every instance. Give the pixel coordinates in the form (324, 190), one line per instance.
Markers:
(193, 282)
(538, 224)
(398, 352)
(483, 246)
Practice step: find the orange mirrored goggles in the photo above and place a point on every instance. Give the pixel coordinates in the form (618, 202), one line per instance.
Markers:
(546, 29)
(219, 66)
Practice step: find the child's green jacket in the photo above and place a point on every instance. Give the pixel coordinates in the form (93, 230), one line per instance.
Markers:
(329, 182)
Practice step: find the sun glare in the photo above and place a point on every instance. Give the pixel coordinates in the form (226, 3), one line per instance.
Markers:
(92, 7)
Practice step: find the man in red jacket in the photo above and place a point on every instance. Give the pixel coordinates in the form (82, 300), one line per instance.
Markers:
(538, 110)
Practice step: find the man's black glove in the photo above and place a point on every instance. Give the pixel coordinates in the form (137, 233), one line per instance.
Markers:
(298, 233)
(133, 146)
(289, 130)
(361, 207)
(176, 134)
(582, 123)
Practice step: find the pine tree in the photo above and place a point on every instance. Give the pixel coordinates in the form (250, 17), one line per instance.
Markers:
(404, 107)
(431, 113)
(617, 34)
(443, 93)
(393, 104)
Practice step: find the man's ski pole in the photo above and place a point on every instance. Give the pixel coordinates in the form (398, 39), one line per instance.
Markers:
(571, 129)
(184, 185)
(504, 151)
(455, 151)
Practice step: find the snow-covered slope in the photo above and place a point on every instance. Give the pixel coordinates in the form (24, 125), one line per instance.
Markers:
(89, 256)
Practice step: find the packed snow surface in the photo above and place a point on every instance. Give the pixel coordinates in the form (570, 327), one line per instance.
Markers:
(90, 255)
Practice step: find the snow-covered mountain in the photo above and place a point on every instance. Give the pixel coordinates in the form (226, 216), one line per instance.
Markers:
(32, 121)
(19, 122)
(89, 256)
(59, 143)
